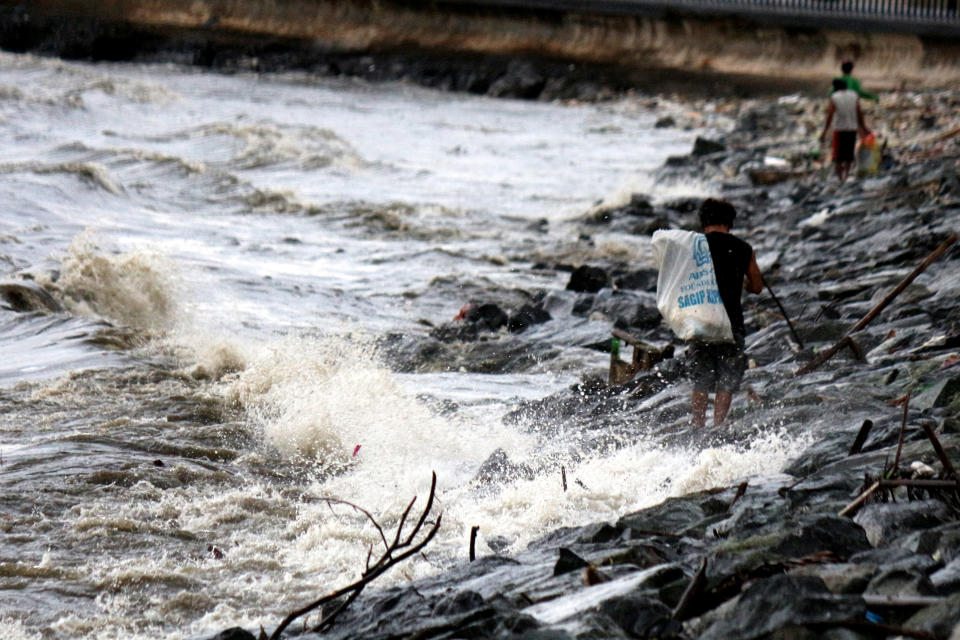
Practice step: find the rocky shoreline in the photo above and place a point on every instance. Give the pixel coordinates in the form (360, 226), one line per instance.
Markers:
(790, 556)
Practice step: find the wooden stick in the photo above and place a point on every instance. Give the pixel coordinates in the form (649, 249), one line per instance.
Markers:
(473, 542)
(873, 600)
(921, 483)
(783, 311)
(563, 477)
(944, 460)
(853, 506)
(903, 429)
(742, 489)
(861, 437)
(825, 355)
(691, 591)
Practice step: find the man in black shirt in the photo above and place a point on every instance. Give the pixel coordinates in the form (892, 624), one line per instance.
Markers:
(718, 368)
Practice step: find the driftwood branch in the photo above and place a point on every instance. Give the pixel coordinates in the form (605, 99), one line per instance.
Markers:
(861, 437)
(473, 542)
(406, 548)
(903, 430)
(825, 355)
(898, 482)
(692, 591)
(944, 459)
(863, 497)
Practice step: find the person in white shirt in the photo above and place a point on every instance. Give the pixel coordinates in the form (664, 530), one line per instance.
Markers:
(843, 111)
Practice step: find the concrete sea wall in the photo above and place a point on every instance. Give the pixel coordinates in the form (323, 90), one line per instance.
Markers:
(666, 41)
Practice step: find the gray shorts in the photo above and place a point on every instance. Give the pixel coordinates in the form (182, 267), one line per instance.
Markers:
(716, 367)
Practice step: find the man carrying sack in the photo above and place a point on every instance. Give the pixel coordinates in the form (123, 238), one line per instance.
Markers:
(699, 285)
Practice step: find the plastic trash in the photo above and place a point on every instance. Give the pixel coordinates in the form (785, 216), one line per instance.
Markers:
(868, 156)
(687, 294)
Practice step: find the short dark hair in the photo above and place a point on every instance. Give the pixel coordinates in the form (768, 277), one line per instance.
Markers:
(713, 211)
(847, 66)
(839, 84)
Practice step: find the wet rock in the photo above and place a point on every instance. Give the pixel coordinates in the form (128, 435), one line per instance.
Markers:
(947, 579)
(836, 534)
(487, 316)
(641, 617)
(782, 602)
(599, 533)
(498, 543)
(521, 80)
(525, 317)
(234, 633)
(567, 562)
(884, 522)
(703, 146)
(498, 469)
(28, 296)
(665, 122)
(627, 309)
(683, 205)
(641, 280)
(848, 578)
(901, 582)
(459, 603)
(938, 619)
(672, 516)
(588, 279)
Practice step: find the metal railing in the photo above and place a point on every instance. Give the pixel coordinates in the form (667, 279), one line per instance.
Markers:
(933, 17)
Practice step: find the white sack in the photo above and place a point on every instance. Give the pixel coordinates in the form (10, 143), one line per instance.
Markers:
(687, 294)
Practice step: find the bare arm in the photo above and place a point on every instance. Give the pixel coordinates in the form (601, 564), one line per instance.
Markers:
(753, 281)
(831, 109)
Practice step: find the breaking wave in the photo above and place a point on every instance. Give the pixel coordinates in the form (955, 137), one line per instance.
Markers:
(137, 289)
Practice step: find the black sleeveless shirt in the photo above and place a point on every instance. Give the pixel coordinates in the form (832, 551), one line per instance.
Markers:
(731, 259)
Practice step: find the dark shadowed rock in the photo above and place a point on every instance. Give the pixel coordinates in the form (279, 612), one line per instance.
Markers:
(641, 280)
(498, 469)
(459, 603)
(487, 316)
(26, 295)
(600, 532)
(588, 279)
(641, 617)
(567, 562)
(703, 146)
(781, 602)
(850, 578)
(521, 80)
(526, 316)
(938, 619)
(234, 633)
(672, 516)
(838, 535)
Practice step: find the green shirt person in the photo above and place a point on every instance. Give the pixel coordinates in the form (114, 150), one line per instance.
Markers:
(853, 84)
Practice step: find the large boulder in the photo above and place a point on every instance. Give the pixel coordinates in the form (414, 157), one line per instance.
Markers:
(588, 279)
(782, 602)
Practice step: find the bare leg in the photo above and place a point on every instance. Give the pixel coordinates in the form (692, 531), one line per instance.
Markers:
(698, 408)
(843, 170)
(721, 405)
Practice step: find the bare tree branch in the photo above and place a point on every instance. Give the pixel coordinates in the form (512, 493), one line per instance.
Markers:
(381, 566)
